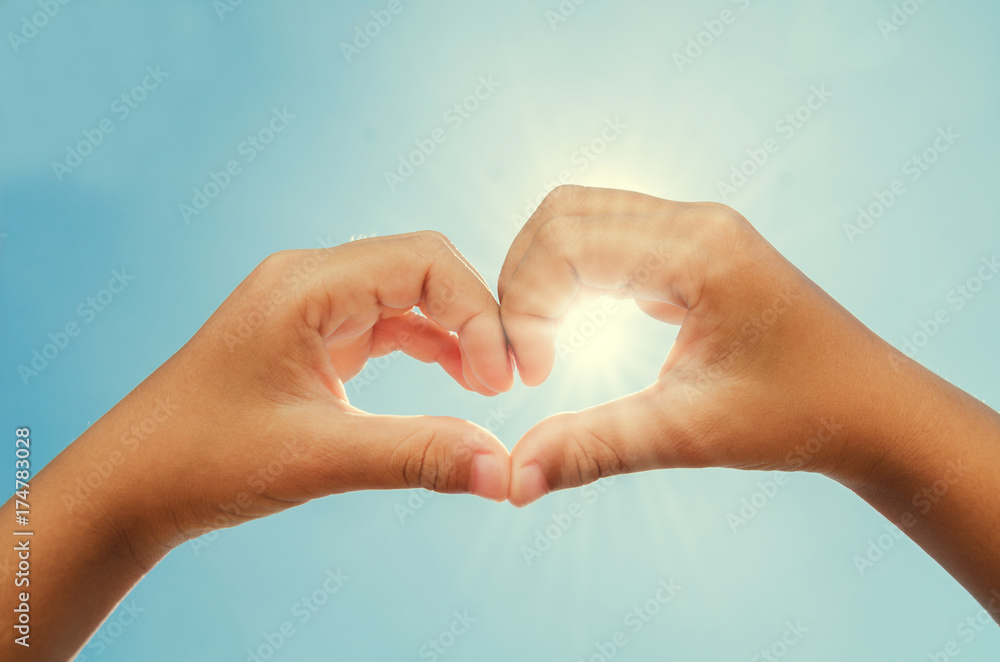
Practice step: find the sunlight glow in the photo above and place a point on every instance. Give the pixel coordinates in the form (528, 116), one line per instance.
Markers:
(596, 335)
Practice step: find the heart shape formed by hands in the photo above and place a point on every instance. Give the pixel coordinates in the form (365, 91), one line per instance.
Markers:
(699, 265)
(741, 387)
(757, 378)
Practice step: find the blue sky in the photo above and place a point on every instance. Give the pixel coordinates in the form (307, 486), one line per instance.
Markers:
(881, 97)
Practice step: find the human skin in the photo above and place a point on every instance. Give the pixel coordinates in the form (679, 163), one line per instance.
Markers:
(764, 361)
(261, 386)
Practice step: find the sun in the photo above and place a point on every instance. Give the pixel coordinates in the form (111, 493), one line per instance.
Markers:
(596, 335)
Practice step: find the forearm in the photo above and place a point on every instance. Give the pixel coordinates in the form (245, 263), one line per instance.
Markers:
(251, 417)
(930, 462)
(85, 556)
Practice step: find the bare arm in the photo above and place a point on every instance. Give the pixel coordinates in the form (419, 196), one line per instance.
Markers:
(767, 372)
(260, 387)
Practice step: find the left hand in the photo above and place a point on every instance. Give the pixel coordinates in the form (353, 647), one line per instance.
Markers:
(765, 363)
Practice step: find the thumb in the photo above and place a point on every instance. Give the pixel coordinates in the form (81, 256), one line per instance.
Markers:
(633, 433)
(438, 453)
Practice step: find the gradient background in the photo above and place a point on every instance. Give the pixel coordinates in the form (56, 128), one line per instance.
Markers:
(323, 179)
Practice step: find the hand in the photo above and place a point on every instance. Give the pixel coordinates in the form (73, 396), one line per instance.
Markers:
(262, 419)
(767, 372)
(250, 417)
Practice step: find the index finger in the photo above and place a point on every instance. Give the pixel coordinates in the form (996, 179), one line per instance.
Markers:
(424, 270)
(572, 200)
(668, 256)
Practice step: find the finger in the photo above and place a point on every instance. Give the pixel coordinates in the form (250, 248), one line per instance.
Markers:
(576, 201)
(442, 454)
(470, 376)
(468, 373)
(403, 271)
(422, 339)
(573, 449)
(408, 332)
(652, 257)
(664, 312)
(465, 366)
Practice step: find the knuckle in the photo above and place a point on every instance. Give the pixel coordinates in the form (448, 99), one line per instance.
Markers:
(426, 462)
(719, 211)
(606, 459)
(430, 244)
(589, 458)
(720, 231)
(433, 236)
(565, 197)
(418, 471)
(722, 220)
(274, 263)
(433, 239)
(551, 235)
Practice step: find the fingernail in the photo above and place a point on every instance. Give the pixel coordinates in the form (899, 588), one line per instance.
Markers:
(485, 481)
(531, 484)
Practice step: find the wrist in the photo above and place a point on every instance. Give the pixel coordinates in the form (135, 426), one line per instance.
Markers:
(911, 430)
(98, 493)
(113, 478)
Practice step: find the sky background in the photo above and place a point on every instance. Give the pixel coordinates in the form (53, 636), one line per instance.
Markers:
(323, 179)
